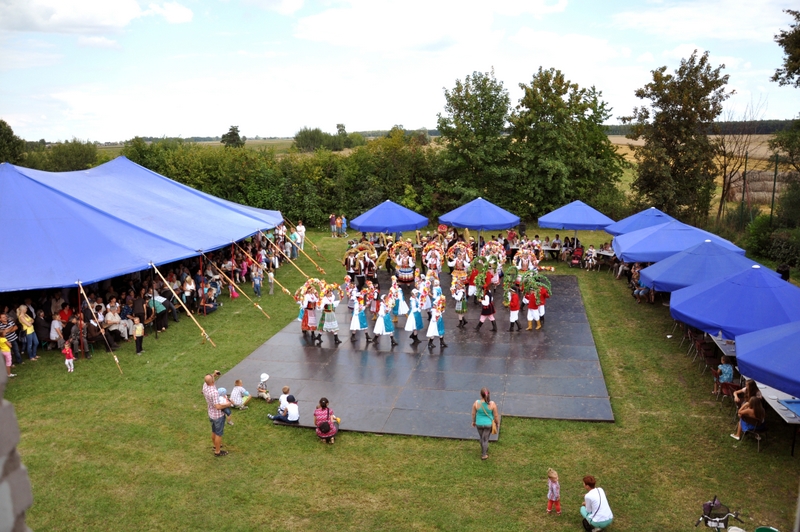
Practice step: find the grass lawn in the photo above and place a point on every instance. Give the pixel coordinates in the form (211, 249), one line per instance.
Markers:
(132, 452)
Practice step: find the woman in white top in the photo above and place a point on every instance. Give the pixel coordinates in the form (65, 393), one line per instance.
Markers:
(595, 509)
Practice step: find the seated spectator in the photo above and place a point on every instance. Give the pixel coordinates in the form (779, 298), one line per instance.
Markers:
(113, 323)
(57, 331)
(292, 412)
(751, 417)
(590, 259)
(743, 395)
(724, 373)
(77, 337)
(95, 333)
(326, 422)
(239, 396)
(642, 291)
(556, 245)
(262, 390)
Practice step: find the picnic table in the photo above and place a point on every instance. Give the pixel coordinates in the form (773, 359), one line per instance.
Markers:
(775, 399)
(728, 347)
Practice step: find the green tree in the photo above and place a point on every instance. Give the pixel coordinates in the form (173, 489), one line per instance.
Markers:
(11, 146)
(787, 144)
(789, 74)
(560, 147)
(676, 167)
(473, 128)
(231, 139)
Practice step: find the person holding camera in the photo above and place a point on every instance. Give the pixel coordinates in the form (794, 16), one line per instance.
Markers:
(325, 420)
(216, 405)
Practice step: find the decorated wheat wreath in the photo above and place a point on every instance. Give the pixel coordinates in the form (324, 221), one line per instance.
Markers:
(320, 285)
(495, 249)
(460, 247)
(532, 282)
(431, 246)
(525, 253)
(360, 250)
(397, 247)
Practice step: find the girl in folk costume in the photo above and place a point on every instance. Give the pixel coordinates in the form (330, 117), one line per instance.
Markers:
(425, 301)
(487, 308)
(400, 307)
(384, 325)
(414, 320)
(329, 323)
(404, 261)
(433, 260)
(347, 290)
(459, 293)
(436, 326)
(373, 299)
(525, 261)
(359, 320)
(309, 323)
(513, 307)
(459, 256)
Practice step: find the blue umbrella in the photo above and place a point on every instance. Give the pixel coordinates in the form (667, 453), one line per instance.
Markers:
(388, 217)
(738, 304)
(481, 215)
(771, 356)
(703, 262)
(658, 242)
(576, 215)
(640, 220)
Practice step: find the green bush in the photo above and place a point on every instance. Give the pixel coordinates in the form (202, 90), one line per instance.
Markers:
(785, 247)
(759, 231)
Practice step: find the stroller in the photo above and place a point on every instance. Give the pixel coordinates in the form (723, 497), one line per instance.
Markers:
(576, 258)
(716, 515)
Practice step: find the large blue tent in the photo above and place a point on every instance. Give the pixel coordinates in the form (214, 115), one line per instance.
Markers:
(640, 220)
(771, 356)
(576, 215)
(388, 217)
(480, 215)
(738, 304)
(703, 262)
(658, 242)
(110, 220)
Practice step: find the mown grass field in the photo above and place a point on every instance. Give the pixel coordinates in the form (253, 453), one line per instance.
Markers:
(132, 452)
(279, 145)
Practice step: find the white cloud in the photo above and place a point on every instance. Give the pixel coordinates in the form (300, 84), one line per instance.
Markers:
(284, 7)
(173, 12)
(561, 47)
(97, 42)
(67, 16)
(733, 20)
(646, 57)
(531, 7)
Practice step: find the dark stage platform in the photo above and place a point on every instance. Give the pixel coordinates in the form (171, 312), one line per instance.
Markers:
(551, 373)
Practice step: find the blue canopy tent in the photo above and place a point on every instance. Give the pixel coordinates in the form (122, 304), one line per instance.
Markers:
(640, 220)
(480, 215)
(658, 242)
(771, 356)
(110, 220)
(388, 217)
(748, 301)
(576, 215)
(703, 262)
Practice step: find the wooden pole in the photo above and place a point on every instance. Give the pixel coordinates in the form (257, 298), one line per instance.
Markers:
(285, 290)
(80, 338)
(203, 332)
(240, 290)
(287, 258)
(774, 186)
(301, 250)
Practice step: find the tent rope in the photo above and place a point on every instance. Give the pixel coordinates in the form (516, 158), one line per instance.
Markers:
(102, 331)
(203, 332)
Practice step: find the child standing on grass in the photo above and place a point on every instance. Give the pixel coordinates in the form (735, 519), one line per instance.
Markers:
(138, 334)
(5, 351)
(257, 278)
(271, 279)
(724, 373)
(68, 359)
(553, 492)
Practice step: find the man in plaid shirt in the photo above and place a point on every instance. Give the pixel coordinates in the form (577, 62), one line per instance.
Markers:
(215, 414)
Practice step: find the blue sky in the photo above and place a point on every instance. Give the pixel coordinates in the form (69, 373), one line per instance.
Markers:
(112, 69)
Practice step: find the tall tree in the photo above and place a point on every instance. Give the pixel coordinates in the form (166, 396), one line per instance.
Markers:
(789, 74)
(787, 143)
(560, 147)
(231, 139)
(676, 167)
(473, 127)
(11, 146)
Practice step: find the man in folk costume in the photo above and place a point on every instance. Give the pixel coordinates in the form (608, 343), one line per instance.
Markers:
(544, 293)
(472, 290)
(329, 323)
(459, 294)
(487, 307)
(414, 320)
(513, 308)
(359, 320)
(436, 326)
(309, 323)
(370, 269)
(533, 309)
(350, 264)
(384, 325)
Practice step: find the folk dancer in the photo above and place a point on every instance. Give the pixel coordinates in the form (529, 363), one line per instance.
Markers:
(533, 310)
(370, 269)
(374, 299)
(400, 307)
(458, 267)
(472, 290)
(414, 320)
(309, 323)
(359, 320)
(513, 308)
(487, 308)
(544, 293)
(350, 264)
(384, 325)
(329, 323)
(433, 261)
(459, 294)
(405, 267)
(436, 326)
